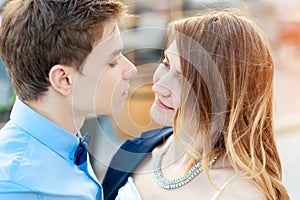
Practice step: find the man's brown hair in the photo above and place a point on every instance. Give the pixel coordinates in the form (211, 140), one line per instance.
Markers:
(38, 34)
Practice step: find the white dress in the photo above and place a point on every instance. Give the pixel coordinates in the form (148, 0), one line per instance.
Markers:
(129, 190)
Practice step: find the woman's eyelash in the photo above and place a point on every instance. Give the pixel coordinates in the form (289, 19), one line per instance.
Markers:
(179, 75)
(165, 64)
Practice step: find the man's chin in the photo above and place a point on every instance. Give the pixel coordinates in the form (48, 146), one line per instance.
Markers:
(117, 108)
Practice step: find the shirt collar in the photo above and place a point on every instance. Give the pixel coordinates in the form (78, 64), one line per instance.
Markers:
(51, 135)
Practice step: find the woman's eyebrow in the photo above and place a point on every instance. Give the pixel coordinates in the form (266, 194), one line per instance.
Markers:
(166, 57)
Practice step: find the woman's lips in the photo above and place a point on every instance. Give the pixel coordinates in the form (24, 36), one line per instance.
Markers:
(162, 105)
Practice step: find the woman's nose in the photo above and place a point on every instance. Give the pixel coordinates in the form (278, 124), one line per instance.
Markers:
(161, 89)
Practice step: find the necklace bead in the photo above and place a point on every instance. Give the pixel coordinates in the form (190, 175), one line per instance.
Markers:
(167, 184)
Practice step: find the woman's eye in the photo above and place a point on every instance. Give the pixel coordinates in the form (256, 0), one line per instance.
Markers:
(165, 64)
(179, 76)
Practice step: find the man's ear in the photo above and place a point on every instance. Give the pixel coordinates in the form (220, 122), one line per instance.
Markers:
(61, 79)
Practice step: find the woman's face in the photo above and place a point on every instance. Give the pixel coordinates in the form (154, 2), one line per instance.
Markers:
(167, 85)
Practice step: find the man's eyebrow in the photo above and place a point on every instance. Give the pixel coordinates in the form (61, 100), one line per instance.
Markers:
(115, 53)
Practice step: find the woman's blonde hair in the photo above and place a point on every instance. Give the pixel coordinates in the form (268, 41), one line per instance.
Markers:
(227, 94)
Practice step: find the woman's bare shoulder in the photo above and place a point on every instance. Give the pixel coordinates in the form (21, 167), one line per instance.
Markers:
(242, 188)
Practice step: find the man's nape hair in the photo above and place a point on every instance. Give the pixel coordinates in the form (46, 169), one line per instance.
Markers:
(35, 35)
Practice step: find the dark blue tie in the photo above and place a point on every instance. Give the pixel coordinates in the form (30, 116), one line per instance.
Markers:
(82, 149)
(81, 158)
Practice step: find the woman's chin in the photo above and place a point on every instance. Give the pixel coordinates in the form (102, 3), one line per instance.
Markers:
(162, 116)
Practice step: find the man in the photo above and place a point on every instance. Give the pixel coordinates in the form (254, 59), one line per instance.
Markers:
(65, 61)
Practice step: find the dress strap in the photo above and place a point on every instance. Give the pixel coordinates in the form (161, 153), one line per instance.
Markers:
(219, 192)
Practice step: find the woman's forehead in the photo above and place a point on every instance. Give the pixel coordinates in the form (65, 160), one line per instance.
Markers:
(172, 55)
(172, 49)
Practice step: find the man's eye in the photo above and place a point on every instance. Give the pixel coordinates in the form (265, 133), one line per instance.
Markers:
(112, 65)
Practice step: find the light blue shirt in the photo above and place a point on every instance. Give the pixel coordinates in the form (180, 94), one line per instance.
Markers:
(37, 160)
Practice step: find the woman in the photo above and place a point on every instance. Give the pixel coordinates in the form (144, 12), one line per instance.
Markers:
(215, 87)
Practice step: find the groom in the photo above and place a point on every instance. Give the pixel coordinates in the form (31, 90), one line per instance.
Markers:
(64, 58)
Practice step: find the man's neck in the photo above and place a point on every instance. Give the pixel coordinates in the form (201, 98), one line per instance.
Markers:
(58, 111)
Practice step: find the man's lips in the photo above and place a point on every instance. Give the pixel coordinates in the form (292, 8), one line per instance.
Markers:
(125, 93)
(162, 105)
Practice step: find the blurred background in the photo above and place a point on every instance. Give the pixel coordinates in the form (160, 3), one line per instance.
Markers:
(144, 36)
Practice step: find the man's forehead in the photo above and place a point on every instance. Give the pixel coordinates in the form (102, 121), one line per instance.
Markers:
(111, 30)
(110, 43)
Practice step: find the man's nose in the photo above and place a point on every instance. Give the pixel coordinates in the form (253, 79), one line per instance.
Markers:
(128, 68)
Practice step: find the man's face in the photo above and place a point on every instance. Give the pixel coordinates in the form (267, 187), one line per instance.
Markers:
(102, 86)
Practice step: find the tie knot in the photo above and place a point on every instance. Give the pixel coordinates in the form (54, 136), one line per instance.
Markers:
(86, 139)
(82, 149)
